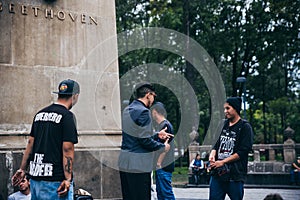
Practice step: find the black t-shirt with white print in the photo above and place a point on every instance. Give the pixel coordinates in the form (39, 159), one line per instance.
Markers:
(51, 127)
(237, 138)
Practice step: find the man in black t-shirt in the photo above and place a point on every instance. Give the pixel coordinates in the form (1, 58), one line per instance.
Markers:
(50, 148)
(229, 156)
(165, 160)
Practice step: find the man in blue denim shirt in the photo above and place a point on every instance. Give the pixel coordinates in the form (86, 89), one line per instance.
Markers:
(165, 161)
(138, 145)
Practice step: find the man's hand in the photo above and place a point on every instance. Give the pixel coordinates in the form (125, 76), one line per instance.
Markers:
(217, 164)
(18, 177)
(212, 156)
(212, 159)
(64, 187)
(167, 146)
(163, 135)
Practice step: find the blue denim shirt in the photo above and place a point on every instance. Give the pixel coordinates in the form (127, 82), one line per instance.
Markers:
(138, 140)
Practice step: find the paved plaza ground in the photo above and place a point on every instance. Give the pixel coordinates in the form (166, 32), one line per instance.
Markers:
(251, 193)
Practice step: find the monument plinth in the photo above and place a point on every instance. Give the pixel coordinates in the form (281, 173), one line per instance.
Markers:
(41, 43)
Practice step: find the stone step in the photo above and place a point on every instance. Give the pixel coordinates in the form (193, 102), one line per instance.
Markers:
(87, 139)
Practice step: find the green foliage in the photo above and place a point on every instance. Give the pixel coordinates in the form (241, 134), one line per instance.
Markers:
(255, 39)
(180, 175)
(181, 170)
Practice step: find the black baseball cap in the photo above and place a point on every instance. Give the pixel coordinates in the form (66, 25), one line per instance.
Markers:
(68, 87)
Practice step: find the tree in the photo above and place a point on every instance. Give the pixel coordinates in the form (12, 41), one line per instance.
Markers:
(258, 40)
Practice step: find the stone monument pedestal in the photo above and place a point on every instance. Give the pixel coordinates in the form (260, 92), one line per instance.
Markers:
(41, 44)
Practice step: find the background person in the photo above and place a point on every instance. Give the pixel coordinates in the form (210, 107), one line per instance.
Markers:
(207, 168)
(138, 145)
(24, 191)
(165, 163)
(198, 168)
(50, 148)
(229, 156)
(295, 172)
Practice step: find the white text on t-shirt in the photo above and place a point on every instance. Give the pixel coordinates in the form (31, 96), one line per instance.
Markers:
(51, 117)
(38, 168)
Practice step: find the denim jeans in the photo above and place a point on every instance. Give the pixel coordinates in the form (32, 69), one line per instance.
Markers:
(218, 189)
(47, 190)
(163, 185)
(295, 177)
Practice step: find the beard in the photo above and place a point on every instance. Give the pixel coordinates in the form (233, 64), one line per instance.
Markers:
(229, 117)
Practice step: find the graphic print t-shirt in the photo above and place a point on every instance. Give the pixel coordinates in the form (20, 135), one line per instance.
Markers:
(227, 141)
(51, 127)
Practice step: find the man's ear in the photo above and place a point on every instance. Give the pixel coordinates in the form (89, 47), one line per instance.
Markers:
(147, 95)
(74, 96)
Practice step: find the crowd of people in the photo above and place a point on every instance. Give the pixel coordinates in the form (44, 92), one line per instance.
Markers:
(147, 146)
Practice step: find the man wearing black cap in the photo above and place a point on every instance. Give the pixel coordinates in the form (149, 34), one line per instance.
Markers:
(50, 148)
(138, 145)
(229, 156)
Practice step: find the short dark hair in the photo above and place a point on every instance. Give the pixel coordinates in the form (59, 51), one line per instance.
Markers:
(160, 108)
(141, 92)
(64, 96)
(141, 89)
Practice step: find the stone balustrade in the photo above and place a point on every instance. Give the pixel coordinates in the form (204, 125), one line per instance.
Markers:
(269, 150)
(267, 170)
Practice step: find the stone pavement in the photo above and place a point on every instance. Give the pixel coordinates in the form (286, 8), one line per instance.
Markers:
(251, 193)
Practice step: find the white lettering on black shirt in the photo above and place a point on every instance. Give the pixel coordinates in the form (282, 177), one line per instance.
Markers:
(38, 168)
(48, 117)
(227, 143)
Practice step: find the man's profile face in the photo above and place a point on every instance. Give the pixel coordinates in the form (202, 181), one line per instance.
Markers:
(229, 111)
(151, 98)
